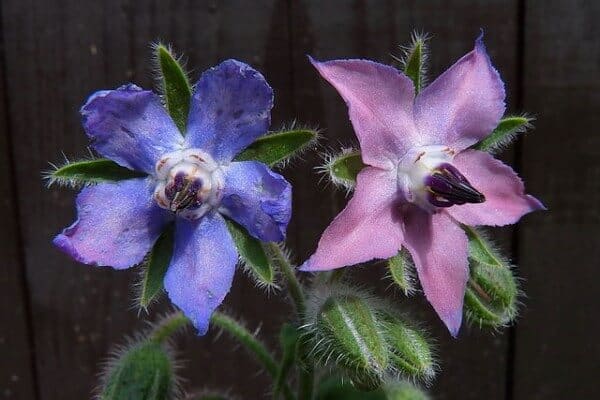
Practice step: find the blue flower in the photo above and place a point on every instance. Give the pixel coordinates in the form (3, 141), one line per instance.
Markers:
(192, 181)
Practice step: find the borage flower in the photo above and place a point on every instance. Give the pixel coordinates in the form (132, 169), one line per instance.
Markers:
(422, 180)
(191, 181)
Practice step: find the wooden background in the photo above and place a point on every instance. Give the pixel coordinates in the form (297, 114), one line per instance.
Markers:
(59, 318)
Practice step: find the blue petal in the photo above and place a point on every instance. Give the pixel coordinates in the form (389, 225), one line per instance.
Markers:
(230, 108)
(117, 224)
(130, 126)
(257, 198)
(202, 267)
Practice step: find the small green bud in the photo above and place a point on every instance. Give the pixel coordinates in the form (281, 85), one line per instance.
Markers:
(344, 330)
(341, 169)
(491, 297)
(410, 353)
(401, 271)
(404, 391)
(143, 370)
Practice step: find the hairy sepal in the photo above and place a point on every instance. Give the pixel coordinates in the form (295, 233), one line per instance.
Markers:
(505, 133)
(253, 257)
(155, 267)
(277, 148)
(414, 60)
(341, 169)
(85, 172)
(401, 270)
(174, 84)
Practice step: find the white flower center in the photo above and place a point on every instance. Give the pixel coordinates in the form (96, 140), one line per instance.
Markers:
(427, 178)
(189, 183)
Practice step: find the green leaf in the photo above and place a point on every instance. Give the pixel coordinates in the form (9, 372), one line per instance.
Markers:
(507, 130)
(142, 371)
(175, 86)
(343, 168)
(414, 60)
(156, 266)
(288, 339)
(491, 297)
(401, 271)
(277, 147)
(86, 172)
(252, 254)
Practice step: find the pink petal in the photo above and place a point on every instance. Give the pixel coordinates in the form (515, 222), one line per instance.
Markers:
(439, 249)
(380, 102)
(368, 228)
(505, 199)
(464, 104)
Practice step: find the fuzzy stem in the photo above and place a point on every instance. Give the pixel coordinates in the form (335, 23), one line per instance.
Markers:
(296, 293)
(294, 287)
(257, 348)
(168, 326)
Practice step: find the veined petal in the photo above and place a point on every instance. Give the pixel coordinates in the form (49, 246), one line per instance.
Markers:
(202, 267)
(439, 249)
(130, 126)
(505, 199)
(231, 107)
(258, 199)
(464, 104)
(369, 227)
(380, 104)
(117, 224)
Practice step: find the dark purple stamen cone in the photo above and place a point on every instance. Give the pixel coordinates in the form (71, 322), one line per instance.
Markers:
(446, 187)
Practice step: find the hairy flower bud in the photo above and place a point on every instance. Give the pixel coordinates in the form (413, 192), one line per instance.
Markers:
(142, 370)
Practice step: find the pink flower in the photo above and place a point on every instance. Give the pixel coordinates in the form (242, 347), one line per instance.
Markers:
(422, 180)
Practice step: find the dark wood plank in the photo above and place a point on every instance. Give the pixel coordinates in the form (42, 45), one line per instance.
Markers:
(557, 354)
(58, 53)
(374, 29)
(17, 373)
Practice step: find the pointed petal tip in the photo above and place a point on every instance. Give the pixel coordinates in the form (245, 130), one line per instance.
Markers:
(453, 321)
(536, 205)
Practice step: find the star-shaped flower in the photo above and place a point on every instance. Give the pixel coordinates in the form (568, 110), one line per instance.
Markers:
(192, 181)
(422, 179)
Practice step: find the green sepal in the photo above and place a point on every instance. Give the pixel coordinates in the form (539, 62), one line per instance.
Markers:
(253, 256)
(174, 85)
(277, 147)
(507, 131)
(87, 172)
(415, 59)
(343, 168)
(155, 267)
(288, 339)
(401, 271)
(491, 296)
(142, 371)
(410, 352)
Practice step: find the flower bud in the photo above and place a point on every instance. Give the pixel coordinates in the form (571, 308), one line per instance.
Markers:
(410, 353)
(344, 330)
(142, 370)
(404, 391)
(491, 295)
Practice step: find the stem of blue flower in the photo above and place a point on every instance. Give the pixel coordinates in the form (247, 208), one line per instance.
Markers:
(168, 326)
(281, 260)
(239, 332)
(296, 293)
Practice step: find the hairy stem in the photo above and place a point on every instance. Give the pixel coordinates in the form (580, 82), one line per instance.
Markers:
(168, 326)
(295, 289)
(252, 344)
